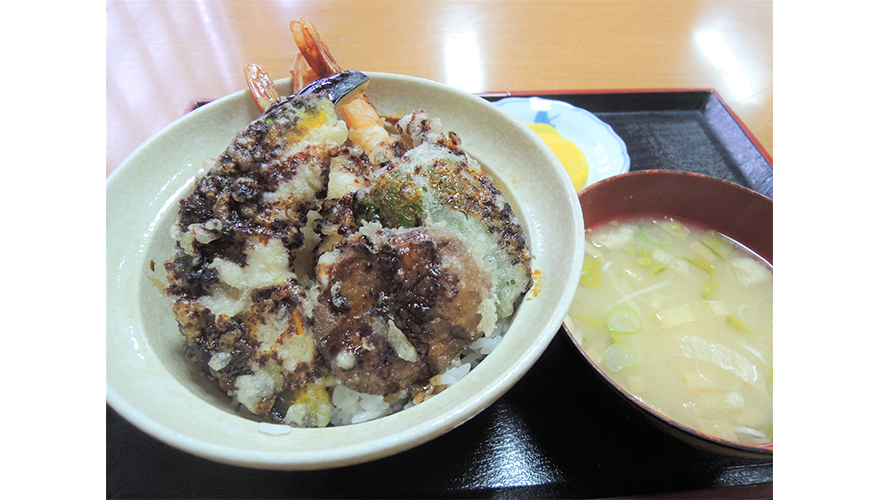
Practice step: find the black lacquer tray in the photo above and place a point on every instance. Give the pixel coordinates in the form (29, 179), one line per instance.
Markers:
(561, 432)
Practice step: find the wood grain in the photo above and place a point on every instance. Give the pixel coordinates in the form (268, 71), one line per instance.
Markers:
(163, 54)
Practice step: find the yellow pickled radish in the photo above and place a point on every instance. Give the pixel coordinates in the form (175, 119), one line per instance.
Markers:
(570, 155)
(543, 128)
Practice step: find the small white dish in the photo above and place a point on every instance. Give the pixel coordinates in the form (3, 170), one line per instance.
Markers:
(604, 150)
(152, 384)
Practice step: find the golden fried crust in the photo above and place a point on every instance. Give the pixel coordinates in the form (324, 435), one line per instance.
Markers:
(288, 201)
(259, 192)
(268, 138)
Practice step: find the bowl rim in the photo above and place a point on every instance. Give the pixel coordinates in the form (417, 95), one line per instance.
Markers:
(686, 433)
(674, 173)
(437, 415)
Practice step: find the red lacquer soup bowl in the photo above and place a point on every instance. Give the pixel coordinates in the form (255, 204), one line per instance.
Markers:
(737, 212)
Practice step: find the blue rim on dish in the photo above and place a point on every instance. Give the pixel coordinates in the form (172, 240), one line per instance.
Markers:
(604, 150)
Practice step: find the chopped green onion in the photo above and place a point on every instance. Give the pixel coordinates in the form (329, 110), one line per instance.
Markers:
(591, 273)
(623, 321)
(717, 243)
(590, 320)
(656, 268)
(702, 263)
(644, 261)
(675, 228)
(738, 324)
(658, 236)
(709, 287)
(619, 356)
(703, 251)
(613, 223)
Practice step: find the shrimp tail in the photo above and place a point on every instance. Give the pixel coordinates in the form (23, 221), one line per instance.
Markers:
(301, 74)
(313, 49)
(366, 127)
(261, 86)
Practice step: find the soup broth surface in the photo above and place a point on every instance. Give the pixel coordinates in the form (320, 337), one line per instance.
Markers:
(682, 318)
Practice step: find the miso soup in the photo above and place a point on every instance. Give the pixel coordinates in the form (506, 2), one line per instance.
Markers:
(682, 318)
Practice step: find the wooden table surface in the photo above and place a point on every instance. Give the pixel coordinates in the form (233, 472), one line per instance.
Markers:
(163, 54)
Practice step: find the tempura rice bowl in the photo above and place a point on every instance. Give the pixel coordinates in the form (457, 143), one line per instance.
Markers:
(152, 384)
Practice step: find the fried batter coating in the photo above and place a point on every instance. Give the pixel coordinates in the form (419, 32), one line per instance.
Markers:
(398, 305)
(437, 183)
(236, 295)
(300, 262)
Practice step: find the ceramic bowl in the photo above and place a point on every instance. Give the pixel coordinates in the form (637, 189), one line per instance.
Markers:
(730, 209)
(152, 384)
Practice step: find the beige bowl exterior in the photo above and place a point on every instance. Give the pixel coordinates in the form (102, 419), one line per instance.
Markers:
(153, 385)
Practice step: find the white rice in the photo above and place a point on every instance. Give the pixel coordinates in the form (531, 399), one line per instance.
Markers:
(353, 407)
